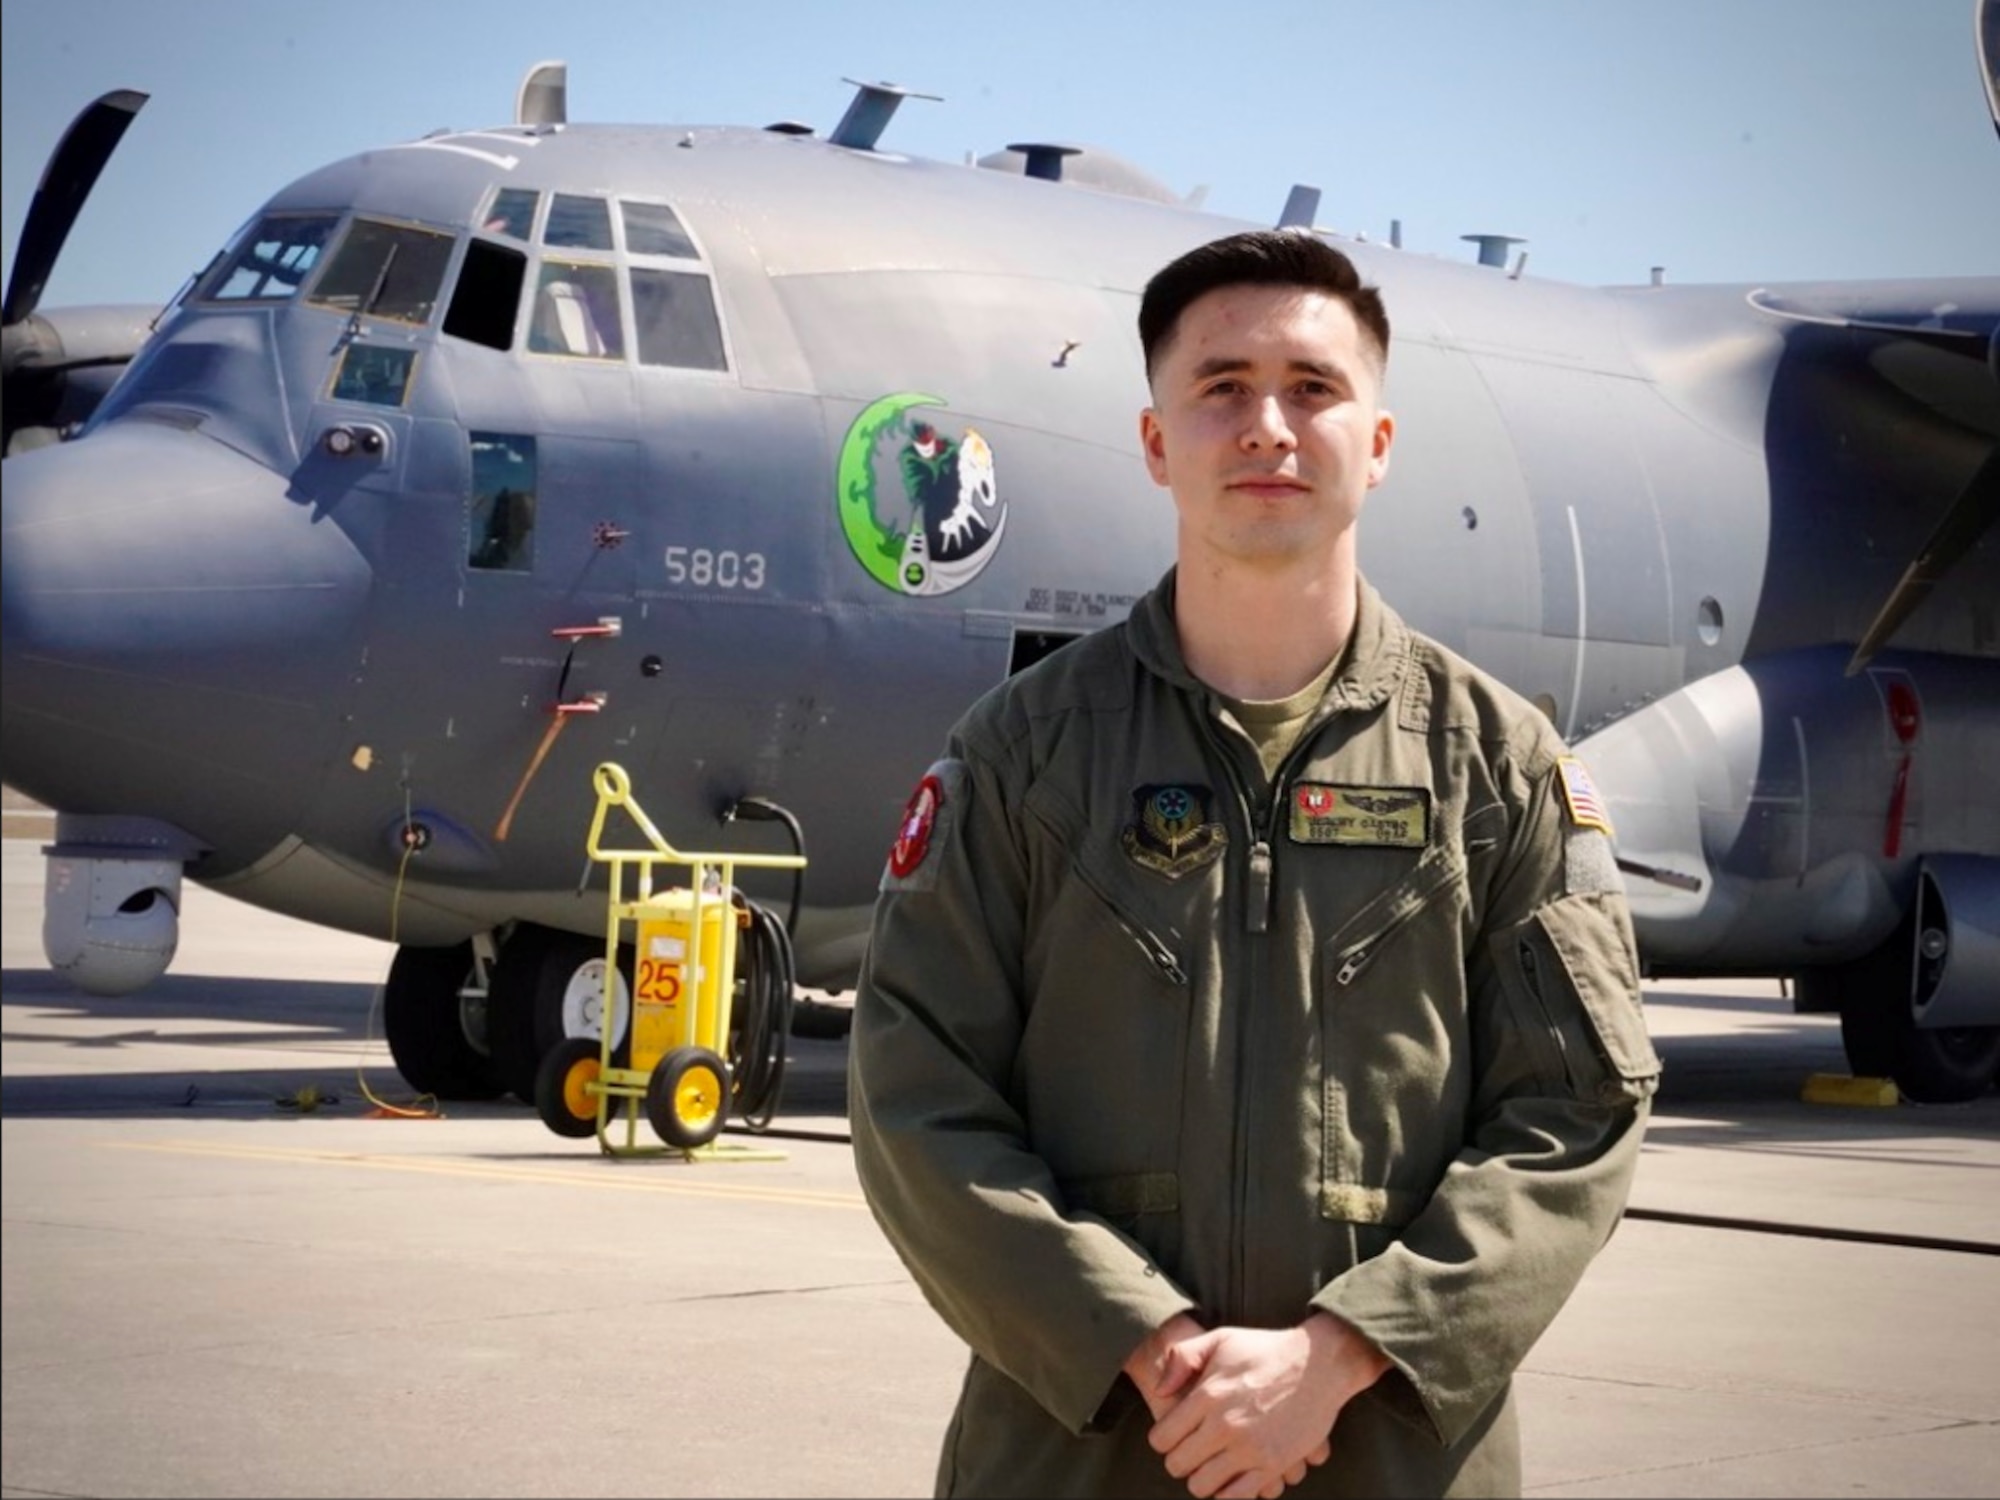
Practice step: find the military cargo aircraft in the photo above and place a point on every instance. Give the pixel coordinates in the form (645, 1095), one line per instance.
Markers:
(747, 457)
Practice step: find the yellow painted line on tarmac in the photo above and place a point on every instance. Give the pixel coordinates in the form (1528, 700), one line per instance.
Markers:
(621, 1176)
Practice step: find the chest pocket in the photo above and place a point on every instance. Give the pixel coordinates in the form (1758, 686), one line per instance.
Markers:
(1395, 1034)
(1101, 1070)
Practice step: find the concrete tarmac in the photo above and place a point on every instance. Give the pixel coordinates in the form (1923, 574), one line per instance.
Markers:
(235, 1264)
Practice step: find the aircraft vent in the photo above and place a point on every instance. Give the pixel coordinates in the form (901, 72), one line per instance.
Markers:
(789, 127)
(868, 115)
(1493, 247)
(1044, 160)
(1088, 166)
(544, 95)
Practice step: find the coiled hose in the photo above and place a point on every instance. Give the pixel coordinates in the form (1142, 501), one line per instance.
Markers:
(765, 1014)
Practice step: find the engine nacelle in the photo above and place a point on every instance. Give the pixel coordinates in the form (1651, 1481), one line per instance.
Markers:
(1957, 958)
(111, 909)
(1772, 817)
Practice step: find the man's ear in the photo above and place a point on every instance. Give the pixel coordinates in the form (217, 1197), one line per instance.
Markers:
(1153, 443)
(1378, 455)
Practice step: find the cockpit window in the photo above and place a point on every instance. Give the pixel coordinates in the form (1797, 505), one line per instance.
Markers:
(373, 374)
(653, 229)
(674, 314)
(578, 223)
(512, 213)
(576, 311)
(385, 271)
(274, 260)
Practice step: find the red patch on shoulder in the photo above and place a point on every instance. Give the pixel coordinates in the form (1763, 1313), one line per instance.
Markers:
(913, 835)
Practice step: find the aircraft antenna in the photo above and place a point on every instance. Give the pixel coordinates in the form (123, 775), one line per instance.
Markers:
(1301, 203)
(869, 113)
(544, 95)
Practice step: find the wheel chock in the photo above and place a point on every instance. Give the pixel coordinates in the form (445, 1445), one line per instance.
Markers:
(1839, 1088)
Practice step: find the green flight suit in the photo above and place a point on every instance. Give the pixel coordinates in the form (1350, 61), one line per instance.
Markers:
(1140, 1033)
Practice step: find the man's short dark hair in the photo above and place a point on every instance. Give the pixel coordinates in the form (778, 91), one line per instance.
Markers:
(1259, 257)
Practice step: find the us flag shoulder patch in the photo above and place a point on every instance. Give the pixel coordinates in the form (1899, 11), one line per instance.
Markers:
(1579, 793)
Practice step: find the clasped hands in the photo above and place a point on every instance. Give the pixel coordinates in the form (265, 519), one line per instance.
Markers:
(1244, 1412)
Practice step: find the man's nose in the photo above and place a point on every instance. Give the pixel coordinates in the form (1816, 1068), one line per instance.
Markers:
(1268, 427)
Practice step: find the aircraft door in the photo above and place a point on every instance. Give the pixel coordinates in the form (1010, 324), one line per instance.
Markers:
(1605, 581)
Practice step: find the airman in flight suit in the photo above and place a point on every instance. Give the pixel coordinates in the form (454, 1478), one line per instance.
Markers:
(1248, 1059)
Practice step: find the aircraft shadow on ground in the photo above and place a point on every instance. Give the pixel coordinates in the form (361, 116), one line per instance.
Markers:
(338, 1046)
(1744, 1085)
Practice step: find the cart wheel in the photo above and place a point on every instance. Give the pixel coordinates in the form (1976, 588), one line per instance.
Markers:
(687, 1097)
(562, 1095)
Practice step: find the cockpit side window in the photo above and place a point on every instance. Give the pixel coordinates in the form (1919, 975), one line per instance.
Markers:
(654, 229)
(500, 522)
(487, 300)
(385, 270)
(577, 311)
(273, 260)
(674, 315)
(512, 213)
(578, 223)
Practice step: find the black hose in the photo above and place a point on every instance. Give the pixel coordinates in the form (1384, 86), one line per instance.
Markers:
(765, 1014)
(764, 810)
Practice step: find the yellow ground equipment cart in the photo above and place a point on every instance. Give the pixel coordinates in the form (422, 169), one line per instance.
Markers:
(674, 1058)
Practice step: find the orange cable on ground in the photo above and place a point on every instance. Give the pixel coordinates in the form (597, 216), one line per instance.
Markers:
(383, 1109)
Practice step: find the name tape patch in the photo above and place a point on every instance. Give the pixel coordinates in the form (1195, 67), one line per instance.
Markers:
(1380, 817)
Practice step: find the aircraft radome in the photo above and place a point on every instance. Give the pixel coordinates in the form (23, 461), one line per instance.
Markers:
(747, 457)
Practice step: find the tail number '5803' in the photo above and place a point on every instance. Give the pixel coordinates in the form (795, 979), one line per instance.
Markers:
(723, 570)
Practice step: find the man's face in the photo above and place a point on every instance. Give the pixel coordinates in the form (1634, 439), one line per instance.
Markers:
(1266, 425)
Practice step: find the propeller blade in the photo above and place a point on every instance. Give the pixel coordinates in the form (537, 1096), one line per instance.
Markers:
(67, 180)
(1989, 54)
(1971, 515)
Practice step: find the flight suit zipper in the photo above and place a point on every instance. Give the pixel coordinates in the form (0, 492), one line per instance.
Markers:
(1356, 955)
(1259, 898)
(1531, 978)
(1163, 959)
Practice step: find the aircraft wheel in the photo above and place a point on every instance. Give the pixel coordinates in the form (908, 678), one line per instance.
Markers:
(549, 985)
(687, 1097)
(437, 1037)
(1931, 1065)
(562, 1086)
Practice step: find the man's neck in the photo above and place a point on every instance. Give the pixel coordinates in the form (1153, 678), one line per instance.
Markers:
(1262, 634)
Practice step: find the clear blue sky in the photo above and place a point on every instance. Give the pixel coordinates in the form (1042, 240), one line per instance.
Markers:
(1727, 140)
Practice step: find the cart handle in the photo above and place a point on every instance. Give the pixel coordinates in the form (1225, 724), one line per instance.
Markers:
(614, 789)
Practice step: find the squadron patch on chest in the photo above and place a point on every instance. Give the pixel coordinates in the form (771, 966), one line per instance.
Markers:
(1173, 829)
(1380, 817)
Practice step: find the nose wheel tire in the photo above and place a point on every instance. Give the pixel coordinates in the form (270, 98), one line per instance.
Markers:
(687, 1097)
(436, 1030)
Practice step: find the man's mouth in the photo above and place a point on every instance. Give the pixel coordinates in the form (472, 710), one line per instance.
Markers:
(1267, 485)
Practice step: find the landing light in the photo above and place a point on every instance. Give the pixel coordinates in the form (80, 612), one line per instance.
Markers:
(345, 440)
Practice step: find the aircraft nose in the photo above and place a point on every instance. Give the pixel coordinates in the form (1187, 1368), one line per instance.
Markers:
(179, 635)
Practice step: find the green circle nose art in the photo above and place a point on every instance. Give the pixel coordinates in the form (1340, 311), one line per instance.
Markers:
(920, 508)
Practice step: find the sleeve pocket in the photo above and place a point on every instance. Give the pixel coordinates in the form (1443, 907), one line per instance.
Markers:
(1589, 938)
